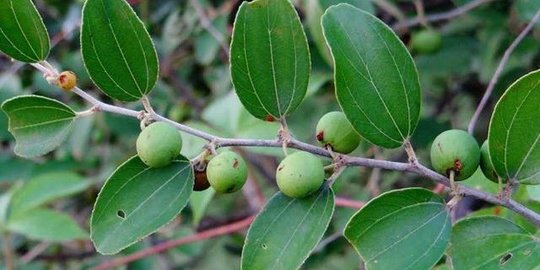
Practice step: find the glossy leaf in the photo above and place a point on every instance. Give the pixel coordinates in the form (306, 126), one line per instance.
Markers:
(45, 224)
(401, 229)
(514, 132)
(23, 35)
(39, 124)
(493, 243)
(314, 11)
(376, 80)
(287, 230)
(137, 200)
(270, 61)
(46, 188)
(117, 50)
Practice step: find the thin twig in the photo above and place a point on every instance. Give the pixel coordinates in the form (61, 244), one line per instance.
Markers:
(440, 16)
(207, 24)
(498, 71)
(8, 251)
(348, 203)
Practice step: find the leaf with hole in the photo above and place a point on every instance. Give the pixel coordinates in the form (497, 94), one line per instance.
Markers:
(138, 200)
(287, 230)
(376, 80)
(514, 131)
(117, 50)
(491, 242)
(23, 35)
(39, 124)
(401, 229)
(47, 225)
(270, 62)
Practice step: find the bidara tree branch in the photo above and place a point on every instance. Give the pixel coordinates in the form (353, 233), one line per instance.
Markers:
(346, 160)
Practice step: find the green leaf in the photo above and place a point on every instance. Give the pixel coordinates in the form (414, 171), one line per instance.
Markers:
(117, 50)
(514, 131)
(314, 11)
(401, 229)
(23, 35)
(136, 201)
(287, 230)
(376, 80)
(199, 202)
(45, 224)
(39, 124)
(492, 243)
(270, 61)
(46, 188)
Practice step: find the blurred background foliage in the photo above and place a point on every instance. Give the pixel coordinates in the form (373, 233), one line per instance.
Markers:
(53, 196)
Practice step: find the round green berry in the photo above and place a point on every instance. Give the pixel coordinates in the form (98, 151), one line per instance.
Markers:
(300, 174)
(159, 144)
(227, 172)
(486, 165)
(426, 41)
(334, 130)
(455, 150)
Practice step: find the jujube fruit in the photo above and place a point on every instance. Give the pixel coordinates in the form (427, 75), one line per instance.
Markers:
(300, 174)
(67, 80)
(159, 144)
(486, 165)
(201, 180)
(426, 41)
(455, 150)
(227, 172)
(334, 130)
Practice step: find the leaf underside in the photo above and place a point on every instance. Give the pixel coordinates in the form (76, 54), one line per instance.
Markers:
(287, 230)
(117, 50)
(376, 80)
(270, 61)
(514, 132)
(23, 35)
(39, 124)
(401, 229)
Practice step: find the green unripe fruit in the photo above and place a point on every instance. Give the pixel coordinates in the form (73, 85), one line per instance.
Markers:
(426, 41)
(455, 150)
(334, 130)
(159, 144)
(300, 174)
(227, 172)
(486, 165)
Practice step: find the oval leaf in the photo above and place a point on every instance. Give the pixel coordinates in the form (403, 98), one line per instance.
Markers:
(270, 61)
(23, 35)
(117, 50)
(39, 124)
(401, 229)
(493, 243)
(376, 80)
(514, 132)
(45, 224)
(287, 230)
(136, 201)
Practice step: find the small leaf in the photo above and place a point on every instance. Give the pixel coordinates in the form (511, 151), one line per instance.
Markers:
(514, 132)
(45, 224)
(46, 188)
(199, 202)
(401, 229)
(490, 242)
(270, 62)
(136, 201)
(23, 35)
(39, 124)
(287, 230)
(376, 80)
(117, 50)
